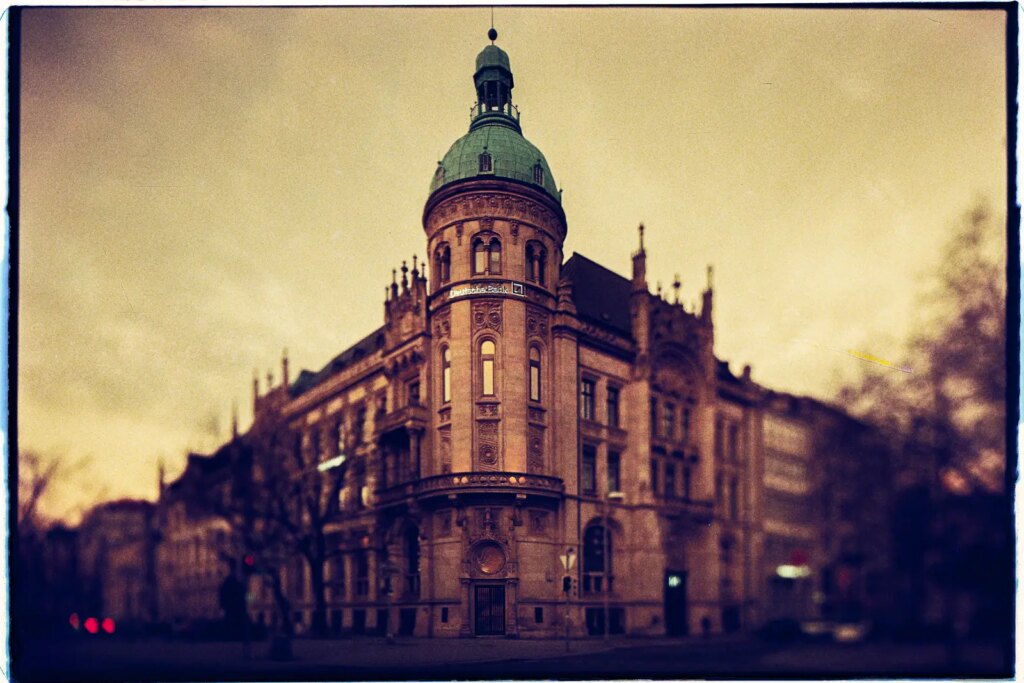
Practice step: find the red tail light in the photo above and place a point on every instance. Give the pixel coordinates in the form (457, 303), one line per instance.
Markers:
(91, 625)
(74, 621)
(108, 625)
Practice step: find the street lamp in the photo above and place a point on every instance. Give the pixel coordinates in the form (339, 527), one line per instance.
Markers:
(617, 496)
(568, 560)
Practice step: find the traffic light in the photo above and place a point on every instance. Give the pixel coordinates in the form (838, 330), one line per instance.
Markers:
(566, 584)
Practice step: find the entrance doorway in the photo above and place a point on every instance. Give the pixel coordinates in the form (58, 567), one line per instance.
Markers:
(676, 622)
(489, 610)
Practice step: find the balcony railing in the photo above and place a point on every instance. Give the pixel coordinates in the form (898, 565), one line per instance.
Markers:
(414, 416)
(699, 510)
(474, 482)
(481, 108)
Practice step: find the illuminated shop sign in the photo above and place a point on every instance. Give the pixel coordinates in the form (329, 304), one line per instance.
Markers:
(513, 288)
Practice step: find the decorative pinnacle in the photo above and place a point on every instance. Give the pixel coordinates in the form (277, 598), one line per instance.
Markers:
(641, 231)
(676, 284)
(711, 275)
(492, 35)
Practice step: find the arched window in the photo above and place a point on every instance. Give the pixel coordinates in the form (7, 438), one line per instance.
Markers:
(479, 257)
(534, 373)
(494, 262)
(443, 264)
(597, 563)
(536, 258)
(446, 374)
(487, 368)
(485, 162)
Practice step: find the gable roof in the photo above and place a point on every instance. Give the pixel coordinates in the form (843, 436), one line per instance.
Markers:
(600, 295)
(362, 348)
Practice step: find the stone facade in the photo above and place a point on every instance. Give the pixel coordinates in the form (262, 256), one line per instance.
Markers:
(517, 409)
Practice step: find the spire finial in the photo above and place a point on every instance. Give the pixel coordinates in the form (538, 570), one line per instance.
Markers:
(641, 231)
(676, 284)
(711, 275)
(492, 34)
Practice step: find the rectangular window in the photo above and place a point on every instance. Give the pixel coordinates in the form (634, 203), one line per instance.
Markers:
(444, 615)
(538, 615)
(362, 574)
(668, 426)
(654, 476)
(587, 399)
(588, 477)
(670, 480)
(686, 424)
(687, 476)
(414, 393)
(734, 499)
(614, 479)
(719, 446)
(654, 417)
(733, 440)
(613, 406)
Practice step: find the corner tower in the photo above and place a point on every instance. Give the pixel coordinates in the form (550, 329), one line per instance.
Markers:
(495, 229)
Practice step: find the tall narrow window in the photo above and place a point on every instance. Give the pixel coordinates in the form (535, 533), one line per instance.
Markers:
(654, 416)
(485, 163)
(534, 373)
(443, 264)
(733, 441)
(339, 436)
(734, 499)
(446, 374)
(613, 406)
(687, 476)
(494, 250)
(668, 427)
(479, 257)
(587, 399)
(719, 446)
(414, 392)
(614, 475)
(654, 476)
(670, 480)
(686, 424)
(487, 367)
(588, 477)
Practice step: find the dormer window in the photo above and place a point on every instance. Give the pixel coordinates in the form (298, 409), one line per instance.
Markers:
(538, 174)
(485, 162)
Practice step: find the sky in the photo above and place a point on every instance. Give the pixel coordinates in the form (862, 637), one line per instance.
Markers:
(202, 188)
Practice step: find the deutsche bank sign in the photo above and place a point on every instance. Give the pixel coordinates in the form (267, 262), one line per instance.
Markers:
(513, 288)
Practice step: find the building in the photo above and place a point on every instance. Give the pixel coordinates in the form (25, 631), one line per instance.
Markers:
(116, 562)
(521, 424)
(196, 545)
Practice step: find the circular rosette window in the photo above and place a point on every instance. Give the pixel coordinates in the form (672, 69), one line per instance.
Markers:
(489, 558)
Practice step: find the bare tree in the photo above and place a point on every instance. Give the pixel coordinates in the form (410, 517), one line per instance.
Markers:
(954, 395)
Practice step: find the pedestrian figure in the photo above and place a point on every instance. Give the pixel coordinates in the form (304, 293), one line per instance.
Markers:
(232, 603)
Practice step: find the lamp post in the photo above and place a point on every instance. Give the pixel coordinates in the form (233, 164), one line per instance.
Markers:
(611, 495)
(568, 560)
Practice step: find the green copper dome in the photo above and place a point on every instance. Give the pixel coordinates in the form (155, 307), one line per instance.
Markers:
(494, 147)
(492, 55)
